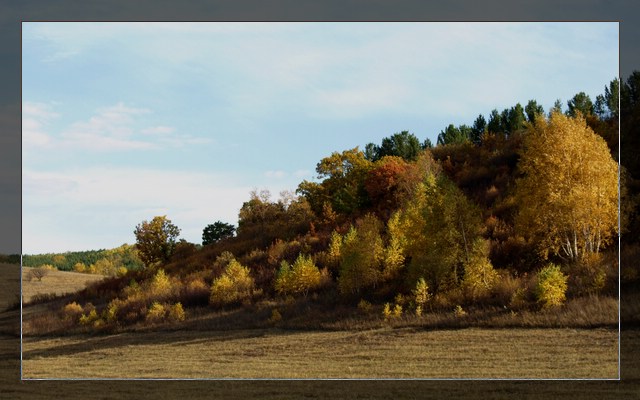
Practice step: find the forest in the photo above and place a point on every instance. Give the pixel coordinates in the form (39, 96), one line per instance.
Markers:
(516, 212)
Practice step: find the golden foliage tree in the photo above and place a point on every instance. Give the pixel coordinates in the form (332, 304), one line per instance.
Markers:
(361, 256)
(568, 193)
(234, 285)
(299, 278)
(439, 225)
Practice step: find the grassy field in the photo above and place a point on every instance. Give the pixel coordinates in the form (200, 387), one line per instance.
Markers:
(55, 282)
(382, 353)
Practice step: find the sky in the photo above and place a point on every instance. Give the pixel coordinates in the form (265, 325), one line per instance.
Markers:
(122, 122)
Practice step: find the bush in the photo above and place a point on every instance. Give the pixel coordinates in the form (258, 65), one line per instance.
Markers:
(459, 311)
(275, 316)
(364, 306)
(589, 275)
(479, 277)
(176, 312)
(89, 319)
(160, 285)
(386, 311)
(300, 278)
(551, 286)
(72, 311)
(235, 285)
(156, 313)
(195, 292)
(421, 294)
(40, 272)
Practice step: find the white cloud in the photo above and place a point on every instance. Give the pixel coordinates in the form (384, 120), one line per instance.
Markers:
(111, 128)
(35, 119)
(103, 205)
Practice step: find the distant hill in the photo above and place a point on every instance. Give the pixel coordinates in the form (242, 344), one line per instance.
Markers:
(104, 261)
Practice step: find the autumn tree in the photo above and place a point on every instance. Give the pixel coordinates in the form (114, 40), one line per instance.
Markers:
(439, 225)
(262, 220)
(382, 184)
(343, 175)
(568, 192)
(39, 273)
(217, 231)
(233, 286)
(301, 277)
(361, 256)
(156, 240)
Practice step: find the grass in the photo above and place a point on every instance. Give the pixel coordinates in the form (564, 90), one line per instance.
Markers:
(380, 353)
(54, 283)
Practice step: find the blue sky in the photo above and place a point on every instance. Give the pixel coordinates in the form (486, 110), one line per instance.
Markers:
(125, 121)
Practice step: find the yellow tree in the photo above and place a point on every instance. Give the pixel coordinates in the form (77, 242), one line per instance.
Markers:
(568, 192)
(361, 256)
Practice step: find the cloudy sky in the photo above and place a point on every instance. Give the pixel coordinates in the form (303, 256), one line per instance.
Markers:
(125, 121)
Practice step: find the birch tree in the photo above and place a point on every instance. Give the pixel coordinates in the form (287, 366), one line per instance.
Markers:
(568, 192)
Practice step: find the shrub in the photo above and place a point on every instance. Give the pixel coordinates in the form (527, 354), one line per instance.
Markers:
(132, 290)
(80, 267)
(40, 272)
(176, 312)
(235, 285)
(421, 293)
(386, 311)
(275, 316)
(110, 313)
(195, 292)
(397, 311)
(589, 275)
(156, 313)
(551, 286)
(364, 306)
(300, 278)
(160, 285)
(72, 311)
(90, 318)
(505, 287)
(479, 277)
(459, 311)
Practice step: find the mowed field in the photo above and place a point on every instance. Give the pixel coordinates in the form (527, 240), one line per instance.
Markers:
(381, 353)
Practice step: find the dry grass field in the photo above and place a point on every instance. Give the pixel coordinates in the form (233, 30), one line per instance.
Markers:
(55, 282)
(382, 353)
